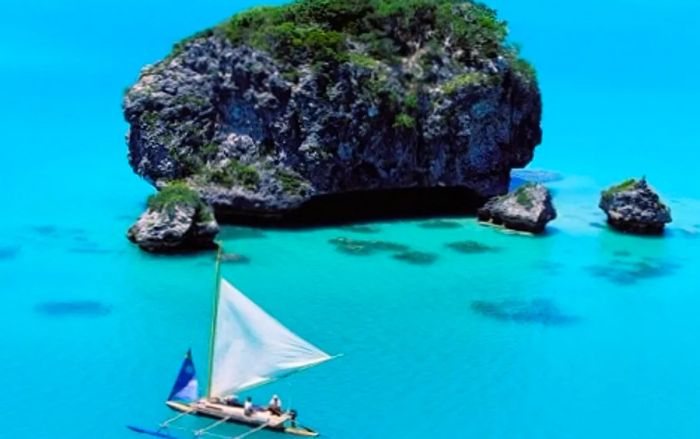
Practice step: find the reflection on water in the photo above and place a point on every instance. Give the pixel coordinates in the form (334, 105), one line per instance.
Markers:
(536, 311)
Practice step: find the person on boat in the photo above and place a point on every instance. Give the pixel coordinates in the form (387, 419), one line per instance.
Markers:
(248, 406)
(231, 400)
(275, 405)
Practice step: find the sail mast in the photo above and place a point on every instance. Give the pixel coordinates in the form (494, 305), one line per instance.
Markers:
(215, 310)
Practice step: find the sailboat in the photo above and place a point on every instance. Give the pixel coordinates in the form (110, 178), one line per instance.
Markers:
(248, 348)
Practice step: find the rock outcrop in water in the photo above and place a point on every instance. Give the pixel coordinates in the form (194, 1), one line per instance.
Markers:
(280, 106)
(633, 207)
(176, 221)
(528, 209)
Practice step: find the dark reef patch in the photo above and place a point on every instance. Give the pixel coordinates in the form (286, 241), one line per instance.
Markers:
(549, 267)
(536, 311)
(622, 253)
(90, 250)
(361, 228)
(626, 272)
(126, 217)
(235, 258)
(50, 231)
(362, 247)
(9, 252)
(471, 247)
(232, 233)
(87, 308)
(416, 257)
(45, 230)
(440, 224)
(86, 246)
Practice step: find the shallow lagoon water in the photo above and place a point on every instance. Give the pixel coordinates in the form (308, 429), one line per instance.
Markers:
(619, 99)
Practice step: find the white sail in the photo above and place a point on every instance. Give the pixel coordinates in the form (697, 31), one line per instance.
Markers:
(251, 348)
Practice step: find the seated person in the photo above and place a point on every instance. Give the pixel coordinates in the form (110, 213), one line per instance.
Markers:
(275, 405)
(231, 400)
(248, 406)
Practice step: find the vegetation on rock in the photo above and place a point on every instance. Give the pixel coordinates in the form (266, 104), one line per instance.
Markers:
(235, 174)
(174, 194)
(291, 183)
(466, 80)
(323, 33)
(522, 195)
(625, 185)
(178, 193)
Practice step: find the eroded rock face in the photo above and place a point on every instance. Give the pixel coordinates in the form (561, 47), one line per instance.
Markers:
(528, 209)
(634, 207)
(177, 229)
(250, 139)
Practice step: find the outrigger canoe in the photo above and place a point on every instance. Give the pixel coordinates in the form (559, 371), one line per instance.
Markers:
(258, 418)
(248, 348)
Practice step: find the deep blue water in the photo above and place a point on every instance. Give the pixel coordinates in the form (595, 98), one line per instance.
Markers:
(582, 333)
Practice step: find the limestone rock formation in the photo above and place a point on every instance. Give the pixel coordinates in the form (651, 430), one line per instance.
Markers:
(278, 106)
(175, 223)
(528, 209)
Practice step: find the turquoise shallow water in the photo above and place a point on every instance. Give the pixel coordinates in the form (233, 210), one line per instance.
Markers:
(582, 333)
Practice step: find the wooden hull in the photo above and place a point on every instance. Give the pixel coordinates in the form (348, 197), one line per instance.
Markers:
(237, 415)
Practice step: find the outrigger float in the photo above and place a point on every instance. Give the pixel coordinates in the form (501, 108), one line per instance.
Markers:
(248, 348)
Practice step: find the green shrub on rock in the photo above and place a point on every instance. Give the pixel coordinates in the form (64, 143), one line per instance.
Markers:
(404, 120)
(625, 185)
(313, 31)
(235, 174)
(174, 194)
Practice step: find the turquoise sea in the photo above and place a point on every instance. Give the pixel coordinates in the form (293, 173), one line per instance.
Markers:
(582, 333)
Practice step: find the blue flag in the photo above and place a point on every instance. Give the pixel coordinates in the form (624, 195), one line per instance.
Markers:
(186, 387)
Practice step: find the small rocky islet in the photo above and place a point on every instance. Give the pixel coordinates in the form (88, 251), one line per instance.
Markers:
(634, 207)
(527, 209)
(176, 220)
